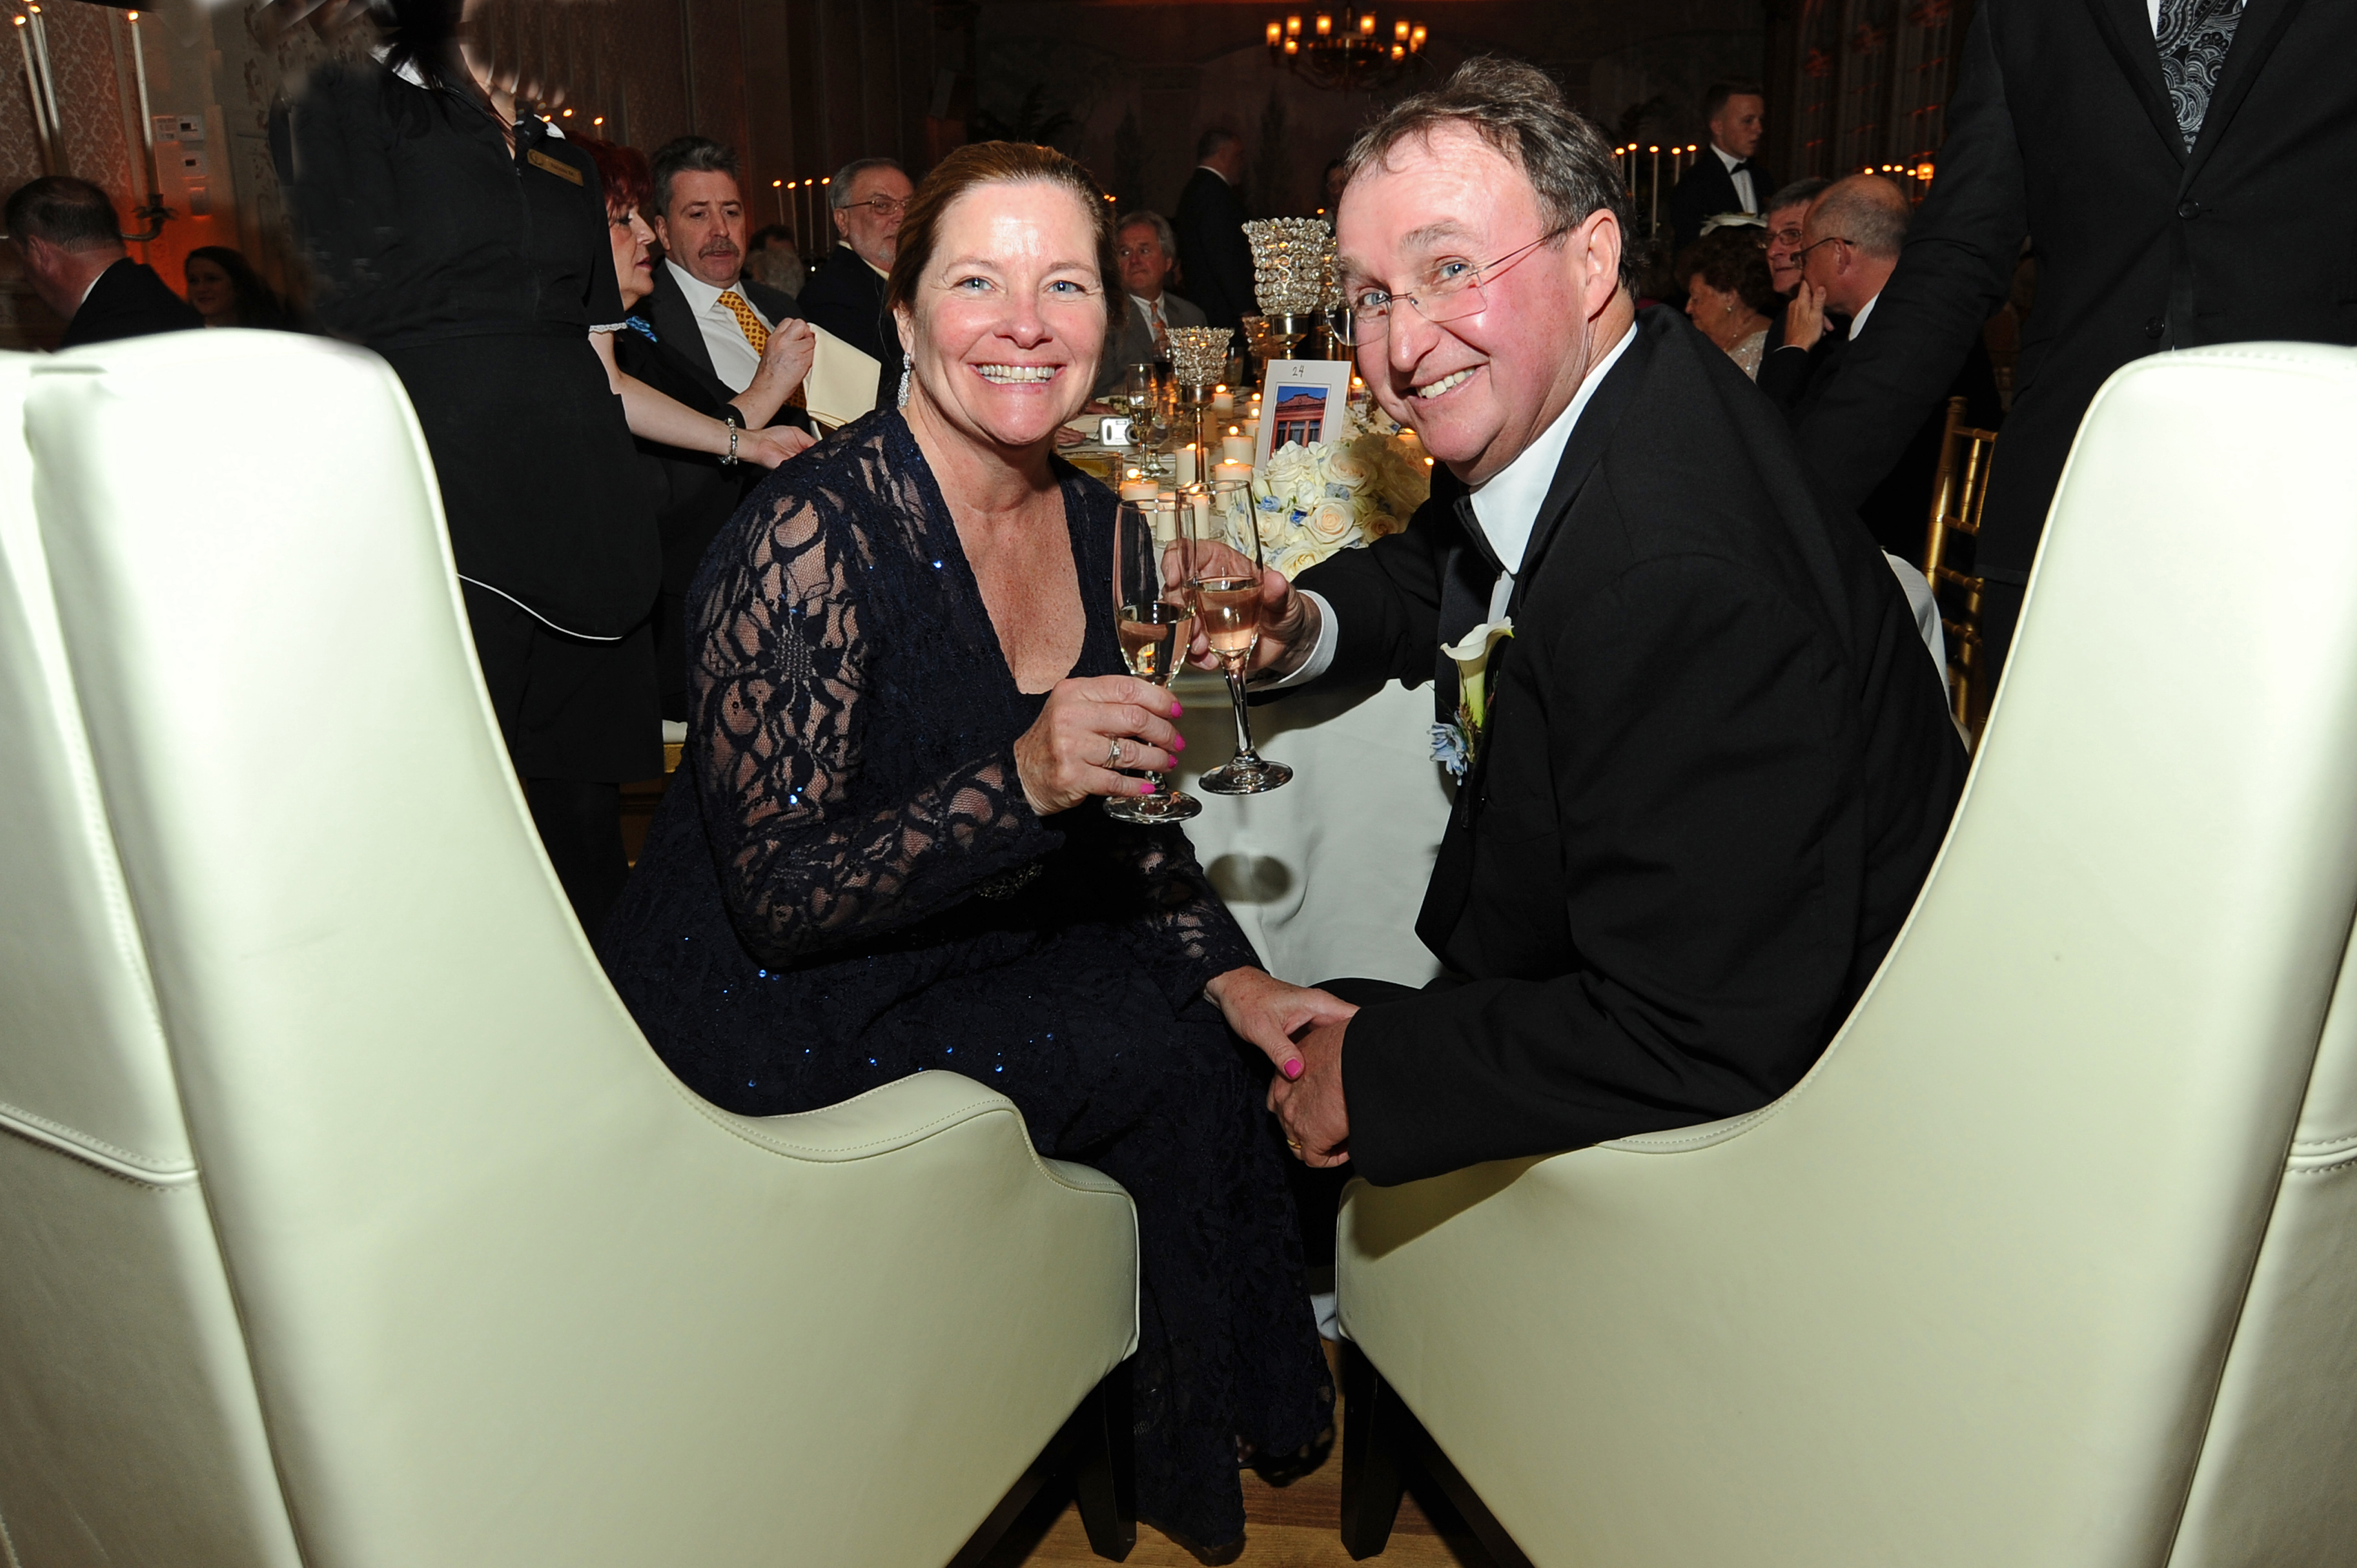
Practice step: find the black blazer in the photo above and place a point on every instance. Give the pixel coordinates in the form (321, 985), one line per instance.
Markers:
(846, 298)
(1718, 768)
(1895, 510)
(682, 339)
(128, 301)
(2062, 128)
(1212, 251)
(1707, 189)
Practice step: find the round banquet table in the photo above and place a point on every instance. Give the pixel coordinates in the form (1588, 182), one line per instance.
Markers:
(1326, 873)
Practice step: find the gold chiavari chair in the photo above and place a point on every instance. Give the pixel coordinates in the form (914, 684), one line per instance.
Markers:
(1958, 491)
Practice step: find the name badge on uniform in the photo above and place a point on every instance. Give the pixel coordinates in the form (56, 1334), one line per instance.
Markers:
(557, 166)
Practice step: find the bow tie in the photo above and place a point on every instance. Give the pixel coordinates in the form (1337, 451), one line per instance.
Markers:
(1743, 167)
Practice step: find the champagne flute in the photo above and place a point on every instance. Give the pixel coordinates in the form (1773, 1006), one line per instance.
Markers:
(1154, 614)
(1227, 571)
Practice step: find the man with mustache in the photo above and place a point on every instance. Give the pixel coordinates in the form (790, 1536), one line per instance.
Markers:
(1715, 764)
(704, 309)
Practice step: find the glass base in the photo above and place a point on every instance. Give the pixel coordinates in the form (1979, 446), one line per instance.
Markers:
(1245, 776)
(1165, 805)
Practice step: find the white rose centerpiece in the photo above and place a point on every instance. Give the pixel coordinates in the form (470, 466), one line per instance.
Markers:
(1336, 495)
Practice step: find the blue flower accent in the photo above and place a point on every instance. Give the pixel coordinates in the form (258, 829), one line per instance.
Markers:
(1338, 492)
(1449, 750)
(1270, 503)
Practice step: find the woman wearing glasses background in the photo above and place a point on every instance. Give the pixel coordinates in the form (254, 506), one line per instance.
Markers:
(845, 293)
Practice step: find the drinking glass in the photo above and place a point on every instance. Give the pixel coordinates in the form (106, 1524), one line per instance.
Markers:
(1154, 613)
(1226, 574)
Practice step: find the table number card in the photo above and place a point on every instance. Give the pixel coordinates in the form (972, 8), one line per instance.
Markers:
(1301, 400)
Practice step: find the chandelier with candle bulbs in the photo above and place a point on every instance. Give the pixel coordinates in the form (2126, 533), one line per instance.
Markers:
(1347, 50)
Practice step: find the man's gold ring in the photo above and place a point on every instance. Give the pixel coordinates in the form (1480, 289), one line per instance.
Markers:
(1293, 1143)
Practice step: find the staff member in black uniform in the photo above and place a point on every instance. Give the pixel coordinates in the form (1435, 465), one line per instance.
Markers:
(466, 242)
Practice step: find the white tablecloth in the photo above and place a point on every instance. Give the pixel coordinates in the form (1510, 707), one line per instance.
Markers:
(1326, 873)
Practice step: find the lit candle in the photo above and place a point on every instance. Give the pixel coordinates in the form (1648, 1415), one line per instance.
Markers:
(1324, 26)
(1135, 487)
(33, 94)
(1367, 25)
(1198, 501)
(1236, 448)
(1241, 472)
(1252, 431)
(1185, 459)
(1657, 223)
(48, 86)
(1222, 400)
(147, 118)
(1275, 34)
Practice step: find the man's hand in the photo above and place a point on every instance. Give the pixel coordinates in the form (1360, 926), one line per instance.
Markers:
(1269, 1012)
(1317, 1121)
(1288, 626)
(1804, 318)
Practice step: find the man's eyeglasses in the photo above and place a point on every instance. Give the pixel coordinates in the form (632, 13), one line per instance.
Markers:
(1801, 255)
(1450, 291)
(884, 206)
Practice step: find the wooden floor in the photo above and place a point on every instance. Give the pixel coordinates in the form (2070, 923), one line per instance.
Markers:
(1291, 1527)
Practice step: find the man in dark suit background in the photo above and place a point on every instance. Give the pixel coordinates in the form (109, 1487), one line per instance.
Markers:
(1851, 240)
(1147, 252)
(66, 231)
(2186, 169)
(1214, 257)
(1723, 179)
(707, 314)
(1717, 764)
(845, 296)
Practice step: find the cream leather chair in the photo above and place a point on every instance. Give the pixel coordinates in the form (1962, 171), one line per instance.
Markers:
(2052, 1260)
(345, 1217)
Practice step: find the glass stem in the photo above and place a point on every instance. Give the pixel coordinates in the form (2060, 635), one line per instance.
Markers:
(1243, 724)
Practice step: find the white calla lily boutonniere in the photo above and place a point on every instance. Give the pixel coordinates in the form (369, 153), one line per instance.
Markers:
(1454, 746)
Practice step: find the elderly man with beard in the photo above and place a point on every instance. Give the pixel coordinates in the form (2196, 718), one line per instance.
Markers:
(1715, 765)
(705, 310)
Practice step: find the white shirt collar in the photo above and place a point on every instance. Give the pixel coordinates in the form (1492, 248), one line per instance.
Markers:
(1146, 306)
(1857, 322)
(701, 296)
(1507, 504)
(1223, 178)
(1730, 159)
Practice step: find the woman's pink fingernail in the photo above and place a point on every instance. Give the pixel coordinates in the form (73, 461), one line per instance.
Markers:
(1293, 1069)
(1147, 788)
(1178, 743)
(1176, 710)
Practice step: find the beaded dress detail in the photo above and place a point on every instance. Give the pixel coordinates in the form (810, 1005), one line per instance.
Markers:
(846, 885)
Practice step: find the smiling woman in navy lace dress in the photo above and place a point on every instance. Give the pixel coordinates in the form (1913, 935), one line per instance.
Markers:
(890, 856)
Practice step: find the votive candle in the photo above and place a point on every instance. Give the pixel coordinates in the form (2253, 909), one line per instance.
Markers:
(1236, 448)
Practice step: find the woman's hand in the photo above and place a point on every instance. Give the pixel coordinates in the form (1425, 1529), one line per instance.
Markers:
(772, 445)
(1269, 1012)
(1067, 755)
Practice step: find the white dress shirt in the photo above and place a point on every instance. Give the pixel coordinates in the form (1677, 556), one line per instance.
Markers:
(1506, 505)
(1857, 322)
(734, 359)
(1744, 193)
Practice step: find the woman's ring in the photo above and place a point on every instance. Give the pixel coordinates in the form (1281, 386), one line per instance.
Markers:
(1112, 751)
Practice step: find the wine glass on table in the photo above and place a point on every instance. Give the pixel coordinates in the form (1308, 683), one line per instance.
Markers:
(1154, 615)
(1226, 574)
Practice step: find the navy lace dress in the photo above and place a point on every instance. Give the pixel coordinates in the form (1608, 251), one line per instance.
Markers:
(854, 888)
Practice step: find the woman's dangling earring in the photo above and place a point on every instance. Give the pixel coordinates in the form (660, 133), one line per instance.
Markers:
(905, 367)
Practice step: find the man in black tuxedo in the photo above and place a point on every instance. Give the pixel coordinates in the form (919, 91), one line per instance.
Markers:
(65, 230)
(845, 296)
(708, 316)
(1214, 257)
(1717, 764)
(1723, 179)
(2186, 167)
(1850, 242)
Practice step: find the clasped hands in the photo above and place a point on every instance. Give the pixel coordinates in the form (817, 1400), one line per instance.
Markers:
(1300, 1029)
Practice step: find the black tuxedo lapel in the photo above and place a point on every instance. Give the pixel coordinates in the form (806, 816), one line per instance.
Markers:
(1452, 870)
(2256, 37)
(2127, 30)
(675, 324)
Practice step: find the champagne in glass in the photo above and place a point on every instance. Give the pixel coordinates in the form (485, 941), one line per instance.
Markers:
(1154, 615)
(1226, 574)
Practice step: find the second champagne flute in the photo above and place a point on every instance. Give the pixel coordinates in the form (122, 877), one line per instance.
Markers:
(1227, 600)
(1154, 614)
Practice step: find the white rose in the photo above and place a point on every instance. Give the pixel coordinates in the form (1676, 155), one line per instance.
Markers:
(1297, 559)
(1381, 526)
(1331, 522)
(1346, 466)
(1275, 526)
(1285, 467)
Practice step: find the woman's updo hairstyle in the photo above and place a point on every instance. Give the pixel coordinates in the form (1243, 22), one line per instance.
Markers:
(998, 163)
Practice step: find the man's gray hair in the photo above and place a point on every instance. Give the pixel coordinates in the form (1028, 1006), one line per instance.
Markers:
(1158, 223)
(1866, 210)
(1800, 193)
(838, 194)
(689, 155)
(1519, 110)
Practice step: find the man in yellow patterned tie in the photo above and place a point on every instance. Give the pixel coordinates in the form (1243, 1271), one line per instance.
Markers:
(702, 307)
